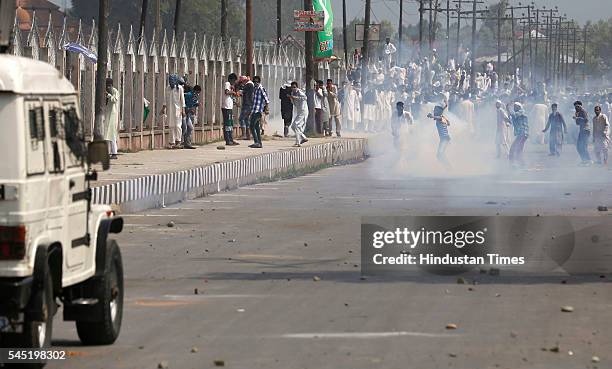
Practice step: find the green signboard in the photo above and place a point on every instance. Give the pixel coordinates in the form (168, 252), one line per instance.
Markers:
(324, 45)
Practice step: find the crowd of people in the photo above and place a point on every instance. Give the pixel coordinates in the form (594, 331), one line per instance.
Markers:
(421, 90)
(425, 87)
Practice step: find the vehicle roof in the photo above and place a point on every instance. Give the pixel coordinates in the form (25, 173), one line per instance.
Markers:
(28, 76)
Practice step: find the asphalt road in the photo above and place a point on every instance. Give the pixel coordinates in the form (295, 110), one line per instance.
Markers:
(277, 272)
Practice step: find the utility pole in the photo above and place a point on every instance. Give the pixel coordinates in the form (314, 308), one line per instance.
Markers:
(448, 10)
(430, 39)
(344, 33)
(279, 24)
(224, 20)
(434, 27)
(157, 17)
(249, 38)
(420, 28)
(366, 40)
(399, 31)
(499, 36)
(177, 14)
(473, 53)
(101, 68)
(458, 29)
(309, 71)
(584, 55)
(143, 17)
(513, 42)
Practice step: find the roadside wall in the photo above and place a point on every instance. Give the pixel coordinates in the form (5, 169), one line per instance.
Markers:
(159, 190)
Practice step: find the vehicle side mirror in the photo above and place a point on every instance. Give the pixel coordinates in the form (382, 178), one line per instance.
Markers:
(97, 152)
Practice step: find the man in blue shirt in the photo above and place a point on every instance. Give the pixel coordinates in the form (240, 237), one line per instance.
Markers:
(192, 102)
(260, 104)
(582, 145)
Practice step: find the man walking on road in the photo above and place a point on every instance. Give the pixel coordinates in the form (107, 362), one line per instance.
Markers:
(521, 133)
(300, 112)
(260, 103)
(601, 136)
(557, 127)
(582, 144)
(334, 108)
(501, 136)
(192, 102)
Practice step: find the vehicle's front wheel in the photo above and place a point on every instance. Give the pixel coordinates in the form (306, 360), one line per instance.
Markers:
(105, 329)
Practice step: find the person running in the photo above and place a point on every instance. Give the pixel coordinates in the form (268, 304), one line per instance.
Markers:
(557, 127)
(400, 117)
(260, 103)
(584, 131)
(442, 124)
(521, 133)
(601, 136)
(300, 114)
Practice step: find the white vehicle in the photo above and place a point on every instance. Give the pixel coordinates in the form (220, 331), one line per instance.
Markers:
(54, 243)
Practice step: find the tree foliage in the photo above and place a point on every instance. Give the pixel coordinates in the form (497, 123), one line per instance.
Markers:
(202, 16)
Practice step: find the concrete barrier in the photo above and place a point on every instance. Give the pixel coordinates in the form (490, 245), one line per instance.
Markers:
(164, 189)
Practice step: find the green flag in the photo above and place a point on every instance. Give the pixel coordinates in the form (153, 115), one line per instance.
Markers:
(324, 45)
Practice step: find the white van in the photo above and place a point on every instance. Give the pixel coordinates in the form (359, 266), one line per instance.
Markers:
(54, 245)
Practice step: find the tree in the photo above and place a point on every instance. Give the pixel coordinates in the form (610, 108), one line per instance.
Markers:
(201, 16)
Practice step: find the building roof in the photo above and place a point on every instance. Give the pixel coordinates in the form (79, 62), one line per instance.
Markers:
(27, 76)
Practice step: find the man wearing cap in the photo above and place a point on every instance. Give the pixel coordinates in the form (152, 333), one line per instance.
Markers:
(557, 127)
(582, 144)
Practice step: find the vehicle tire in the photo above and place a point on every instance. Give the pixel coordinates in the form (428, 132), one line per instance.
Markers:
(37, 334)
(105, 330)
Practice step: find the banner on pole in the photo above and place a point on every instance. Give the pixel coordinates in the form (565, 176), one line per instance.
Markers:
(324, 45)
(308, 21)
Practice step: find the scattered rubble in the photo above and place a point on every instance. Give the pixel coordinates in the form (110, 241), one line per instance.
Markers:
(171, 224)
(316, 278)
(194, 350)
(163, 365)
(567, 309)
(451, 326)
(602, 208)
(595, 359)
(219, 362)
(460, 280)
(220, 147)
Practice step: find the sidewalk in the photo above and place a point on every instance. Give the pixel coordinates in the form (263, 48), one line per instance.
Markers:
(149, 179)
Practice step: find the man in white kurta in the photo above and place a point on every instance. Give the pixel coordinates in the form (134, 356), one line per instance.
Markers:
(300, 113)
(175, 109)
(111, 117)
